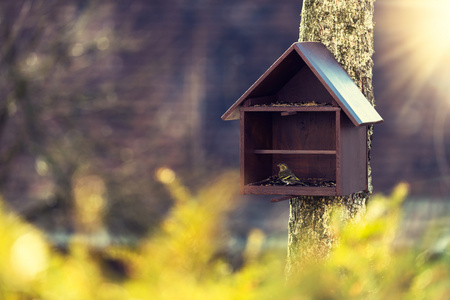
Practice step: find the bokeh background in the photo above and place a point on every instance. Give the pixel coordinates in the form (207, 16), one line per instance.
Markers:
(105, 97)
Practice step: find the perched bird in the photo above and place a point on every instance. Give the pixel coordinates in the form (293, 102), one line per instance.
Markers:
(287, 176)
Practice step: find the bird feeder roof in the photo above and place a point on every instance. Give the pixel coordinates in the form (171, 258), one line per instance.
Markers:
(329, 72)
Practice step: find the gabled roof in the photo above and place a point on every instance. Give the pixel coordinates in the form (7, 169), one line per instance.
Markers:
(325, 67)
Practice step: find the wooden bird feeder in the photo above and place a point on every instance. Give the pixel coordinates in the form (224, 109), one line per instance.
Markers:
(307, 112)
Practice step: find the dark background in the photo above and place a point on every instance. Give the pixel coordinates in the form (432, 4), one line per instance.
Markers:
(119, 89)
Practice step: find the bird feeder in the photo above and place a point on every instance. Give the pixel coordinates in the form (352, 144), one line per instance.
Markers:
(304, 111)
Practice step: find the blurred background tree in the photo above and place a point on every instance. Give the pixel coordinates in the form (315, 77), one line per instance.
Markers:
(63, 114)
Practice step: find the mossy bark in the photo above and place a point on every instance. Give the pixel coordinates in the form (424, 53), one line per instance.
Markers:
(345, 27)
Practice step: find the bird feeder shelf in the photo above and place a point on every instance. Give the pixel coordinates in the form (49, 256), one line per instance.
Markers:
(307, 112)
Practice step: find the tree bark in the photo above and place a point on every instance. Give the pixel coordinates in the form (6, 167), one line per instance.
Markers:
(345, 27)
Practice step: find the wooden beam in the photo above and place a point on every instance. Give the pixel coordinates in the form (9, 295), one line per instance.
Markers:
(325, 152)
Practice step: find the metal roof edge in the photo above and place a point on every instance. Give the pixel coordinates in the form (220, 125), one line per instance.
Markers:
(332, 89)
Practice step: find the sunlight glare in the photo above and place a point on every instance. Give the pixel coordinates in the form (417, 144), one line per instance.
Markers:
(416, 38)
(437, 23)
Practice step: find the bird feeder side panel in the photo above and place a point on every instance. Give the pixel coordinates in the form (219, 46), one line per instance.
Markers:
(255, 130)
(353, 157)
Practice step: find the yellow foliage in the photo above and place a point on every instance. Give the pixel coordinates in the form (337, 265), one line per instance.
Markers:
(181, 261)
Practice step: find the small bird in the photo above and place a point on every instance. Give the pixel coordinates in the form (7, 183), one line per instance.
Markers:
(287, 176)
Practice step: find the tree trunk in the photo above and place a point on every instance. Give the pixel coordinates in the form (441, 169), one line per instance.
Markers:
(345, 27)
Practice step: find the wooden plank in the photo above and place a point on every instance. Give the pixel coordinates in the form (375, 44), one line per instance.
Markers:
(290, 190)
(367, 158)
(338, 154)
(300, 152)
(304, 131)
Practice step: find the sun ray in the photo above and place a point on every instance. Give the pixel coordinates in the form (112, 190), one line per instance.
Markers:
(414, 36)
(416, 40)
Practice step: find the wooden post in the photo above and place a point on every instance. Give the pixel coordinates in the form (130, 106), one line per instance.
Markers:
(346, 28)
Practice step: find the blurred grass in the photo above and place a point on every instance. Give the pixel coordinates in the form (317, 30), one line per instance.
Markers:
(183, 259)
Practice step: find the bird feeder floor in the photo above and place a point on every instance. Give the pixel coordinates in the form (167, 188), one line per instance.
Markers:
(307, 187)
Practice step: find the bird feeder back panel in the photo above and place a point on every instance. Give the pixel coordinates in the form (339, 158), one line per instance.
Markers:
(304, 131)
(295, 83)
